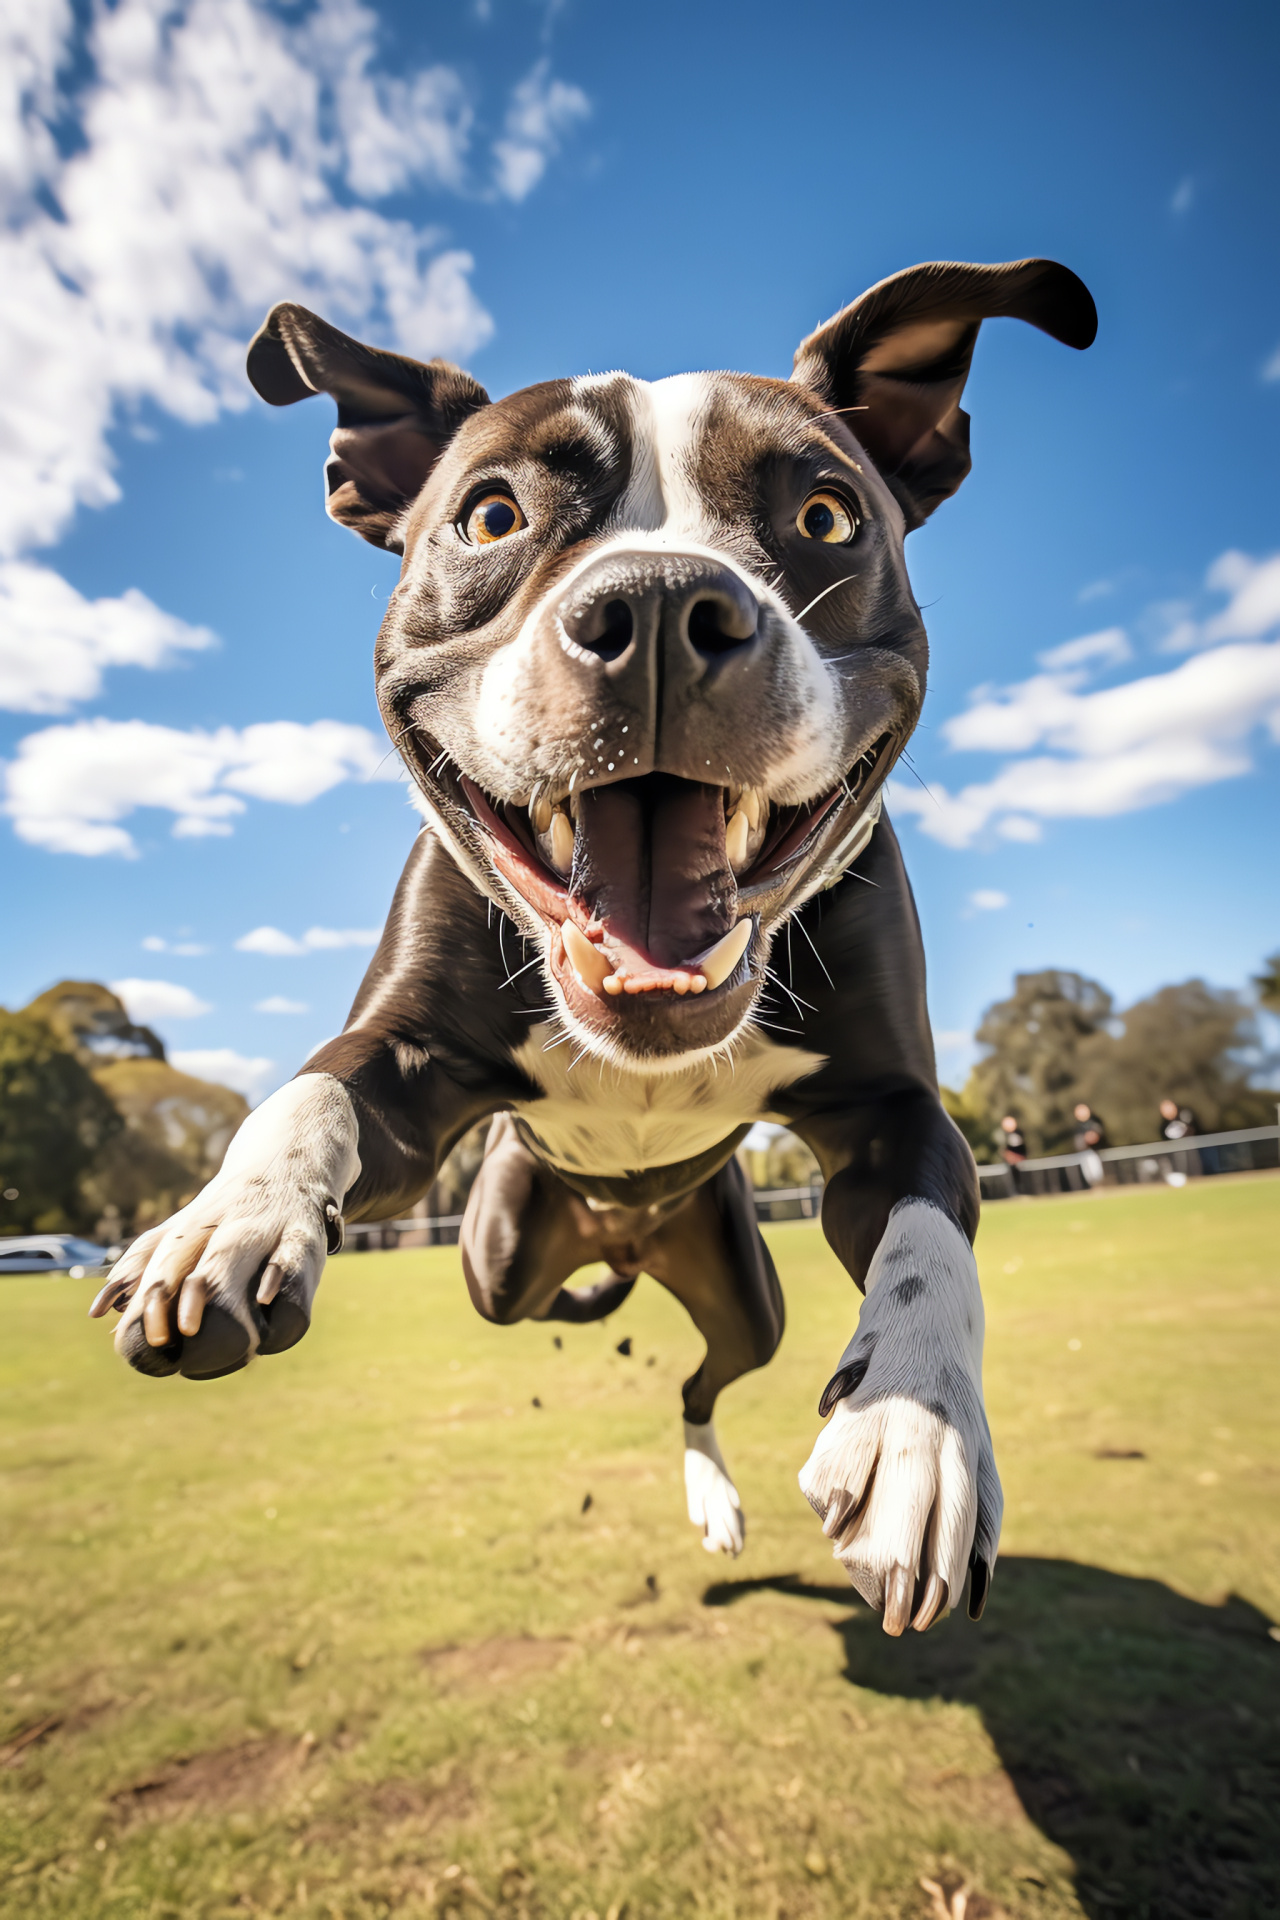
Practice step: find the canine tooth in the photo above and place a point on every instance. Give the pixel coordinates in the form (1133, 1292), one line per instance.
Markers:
(562, 843)
(750, 805)
(725, 955)
(540, 813)
(736, 836)
(587, 961)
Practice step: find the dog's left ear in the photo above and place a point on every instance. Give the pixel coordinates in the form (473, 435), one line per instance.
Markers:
(895, 362)
(395, 415)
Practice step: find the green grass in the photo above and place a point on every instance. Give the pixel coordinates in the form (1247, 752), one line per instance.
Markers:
(342, 1636)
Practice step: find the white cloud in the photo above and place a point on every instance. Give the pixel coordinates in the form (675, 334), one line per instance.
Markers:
(1183, 196)
(276, 1003)
(1254, 606)
(149, 1000)
(283, 946)
(188, 949)
(210, 157)
(988, 900)
(1118, 748)
(55, 644)
(948, 1039)
(1110, 648)
(1271, 368)
(250, 1075)
(69, 787)
(542, 111)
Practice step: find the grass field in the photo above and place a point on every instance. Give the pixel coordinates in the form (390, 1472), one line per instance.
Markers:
(410, 1620)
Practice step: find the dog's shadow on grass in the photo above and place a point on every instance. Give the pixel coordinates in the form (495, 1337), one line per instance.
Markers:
(1140, 1729)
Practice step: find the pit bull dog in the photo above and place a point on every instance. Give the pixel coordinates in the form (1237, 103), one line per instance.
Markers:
(652, 654)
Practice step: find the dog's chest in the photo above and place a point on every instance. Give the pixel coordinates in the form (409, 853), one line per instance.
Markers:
(607, 1121)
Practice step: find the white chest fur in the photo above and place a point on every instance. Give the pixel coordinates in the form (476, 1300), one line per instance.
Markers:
(599, 1119)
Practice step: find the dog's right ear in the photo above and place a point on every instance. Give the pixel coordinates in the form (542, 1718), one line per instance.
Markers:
(395, 415)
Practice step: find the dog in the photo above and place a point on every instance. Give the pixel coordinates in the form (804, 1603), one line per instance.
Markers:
(652, 655)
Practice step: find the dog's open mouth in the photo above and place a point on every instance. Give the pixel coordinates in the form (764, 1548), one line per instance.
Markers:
(650, 885)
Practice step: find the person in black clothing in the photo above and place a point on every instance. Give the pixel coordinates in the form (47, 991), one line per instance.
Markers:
(1010, 1141)
(1090, 1134)
(1177, 1123)
(1180, 1124)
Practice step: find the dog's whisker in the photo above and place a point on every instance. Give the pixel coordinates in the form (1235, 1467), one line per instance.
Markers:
(817, 956)
(796, 998)
(825, 591)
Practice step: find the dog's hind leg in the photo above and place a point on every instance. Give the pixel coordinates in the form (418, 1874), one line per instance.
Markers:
(711, 1257)
(524, 1232)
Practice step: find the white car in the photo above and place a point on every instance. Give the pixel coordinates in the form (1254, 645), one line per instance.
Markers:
(52, 1253)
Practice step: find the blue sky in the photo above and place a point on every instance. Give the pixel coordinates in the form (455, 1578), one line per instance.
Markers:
(185, 640)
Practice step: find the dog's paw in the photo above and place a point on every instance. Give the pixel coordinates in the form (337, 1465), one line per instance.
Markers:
(235, 1272)
(714, 1506)
(903, 1476)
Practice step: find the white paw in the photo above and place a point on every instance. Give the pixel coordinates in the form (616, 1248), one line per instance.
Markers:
(903, 1476)
(714, 1506)
(234, 1272)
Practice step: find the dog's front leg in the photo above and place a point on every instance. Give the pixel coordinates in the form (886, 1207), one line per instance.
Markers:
(234, 1272)
(904, 1475)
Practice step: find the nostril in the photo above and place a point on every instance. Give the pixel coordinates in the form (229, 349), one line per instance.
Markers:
(718, 626)
(619, 626)
(605, 629)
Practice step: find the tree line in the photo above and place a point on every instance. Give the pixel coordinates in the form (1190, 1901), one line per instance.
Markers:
(1059, 1041)
(99, 1133)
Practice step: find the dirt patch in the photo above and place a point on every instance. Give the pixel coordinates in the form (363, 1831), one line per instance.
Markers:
(205, 1782)
(500, 1659)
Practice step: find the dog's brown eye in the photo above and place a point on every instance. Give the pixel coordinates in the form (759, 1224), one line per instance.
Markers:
(493, 518)
(824, 516)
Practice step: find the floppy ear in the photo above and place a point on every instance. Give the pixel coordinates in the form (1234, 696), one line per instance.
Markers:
(896, 362)
(395, 416)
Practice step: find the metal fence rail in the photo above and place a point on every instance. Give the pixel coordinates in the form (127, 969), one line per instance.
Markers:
(1246, 1150)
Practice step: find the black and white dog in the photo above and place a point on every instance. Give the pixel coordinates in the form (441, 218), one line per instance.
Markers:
(652, 655)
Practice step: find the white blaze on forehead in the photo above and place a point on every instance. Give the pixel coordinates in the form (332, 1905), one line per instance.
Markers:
(666, 419)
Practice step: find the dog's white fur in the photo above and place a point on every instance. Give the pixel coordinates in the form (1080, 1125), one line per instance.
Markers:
(293, 1156)
(910, 1446)
(608, 1120)
(714, 1506)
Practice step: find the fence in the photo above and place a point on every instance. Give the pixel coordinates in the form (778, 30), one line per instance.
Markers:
(1247, 1150)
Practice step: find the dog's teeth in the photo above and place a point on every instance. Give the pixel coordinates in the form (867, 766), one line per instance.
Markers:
(540, 813)
(736, 836)
(561, 842)
(587, 961)
(724, 956)
(750, 805)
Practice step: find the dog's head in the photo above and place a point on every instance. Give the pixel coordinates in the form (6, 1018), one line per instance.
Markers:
(654, 650)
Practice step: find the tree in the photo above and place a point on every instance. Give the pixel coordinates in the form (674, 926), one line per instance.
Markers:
(1268, 983)
(1192, 1043)
(54, 1122)
(176, 1131)
(157, 1137)
(1033, 1066)
(974, 1119)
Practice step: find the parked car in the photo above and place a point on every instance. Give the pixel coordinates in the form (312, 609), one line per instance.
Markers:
(52, 1253)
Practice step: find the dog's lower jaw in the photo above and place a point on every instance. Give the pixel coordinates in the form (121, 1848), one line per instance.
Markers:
(714, 1506)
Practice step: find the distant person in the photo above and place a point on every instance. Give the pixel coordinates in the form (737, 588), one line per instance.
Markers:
(1181, 1124)
(1010, 1141)
(1177, 1123)
(1090, 1134)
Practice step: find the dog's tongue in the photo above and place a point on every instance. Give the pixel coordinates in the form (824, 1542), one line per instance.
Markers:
(650, 867)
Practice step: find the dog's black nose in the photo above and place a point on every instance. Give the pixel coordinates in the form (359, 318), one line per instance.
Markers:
(694, 609)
